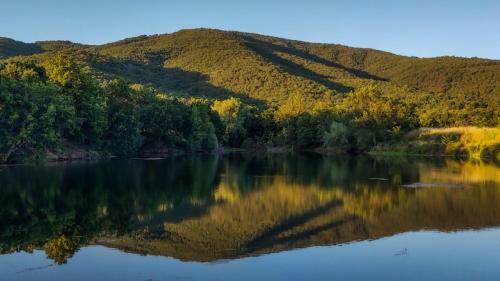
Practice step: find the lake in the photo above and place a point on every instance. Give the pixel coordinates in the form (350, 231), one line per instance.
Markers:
(251, 217)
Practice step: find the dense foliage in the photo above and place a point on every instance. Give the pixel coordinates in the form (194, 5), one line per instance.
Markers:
(202, 89)
(45, 106)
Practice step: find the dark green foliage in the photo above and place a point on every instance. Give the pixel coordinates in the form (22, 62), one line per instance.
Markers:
(165, 120)
(240, 121)
(29, 112)
(302, 131)
(203, 134)
(337, 136)
(44, 106)
(123, 135)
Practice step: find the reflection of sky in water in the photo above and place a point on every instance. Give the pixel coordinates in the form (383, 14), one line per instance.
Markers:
(467, 255)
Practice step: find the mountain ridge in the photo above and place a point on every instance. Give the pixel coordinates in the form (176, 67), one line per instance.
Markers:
(265, 69)
(262, 69)
(145, 36)
(10, 47)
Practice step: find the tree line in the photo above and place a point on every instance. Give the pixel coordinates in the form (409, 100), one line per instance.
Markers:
(46, 104)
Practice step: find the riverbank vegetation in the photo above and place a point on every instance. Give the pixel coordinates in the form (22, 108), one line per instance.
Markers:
(201, 90)
(456, 141)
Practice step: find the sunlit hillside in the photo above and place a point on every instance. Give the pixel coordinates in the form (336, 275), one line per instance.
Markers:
(219, 64)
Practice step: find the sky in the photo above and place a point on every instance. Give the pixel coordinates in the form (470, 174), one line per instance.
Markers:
(422, 28)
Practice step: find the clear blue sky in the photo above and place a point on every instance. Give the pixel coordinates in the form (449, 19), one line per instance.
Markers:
(410, 27)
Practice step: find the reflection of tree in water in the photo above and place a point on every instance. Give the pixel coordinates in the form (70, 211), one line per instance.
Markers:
(61, 248)
(42, 204)
(206, 208)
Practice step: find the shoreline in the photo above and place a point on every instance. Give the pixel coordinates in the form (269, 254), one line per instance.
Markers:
(149, 156)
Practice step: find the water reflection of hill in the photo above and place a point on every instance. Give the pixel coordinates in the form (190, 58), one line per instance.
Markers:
(208, 208)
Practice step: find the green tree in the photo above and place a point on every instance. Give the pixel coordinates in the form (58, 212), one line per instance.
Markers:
(122, 136)
(234, 115)
(165, 120)
(75, 82)
(337, 136)
(376, 115)
(31, 117)
(203, 136)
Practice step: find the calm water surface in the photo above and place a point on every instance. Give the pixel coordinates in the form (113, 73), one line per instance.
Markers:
(244, 217)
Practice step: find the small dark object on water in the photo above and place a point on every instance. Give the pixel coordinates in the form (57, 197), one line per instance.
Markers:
(403, 252)
(378, 179)
(35, 268)
(433, 184)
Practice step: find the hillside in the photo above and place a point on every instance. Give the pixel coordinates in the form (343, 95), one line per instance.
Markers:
(272, 69)
(440, 74)
(273, 91)
(294, 75)
(11, 48)
(269, 68)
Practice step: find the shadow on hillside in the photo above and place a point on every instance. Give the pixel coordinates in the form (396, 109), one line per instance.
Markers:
(173, 80)
(10, 47)
(267, 50)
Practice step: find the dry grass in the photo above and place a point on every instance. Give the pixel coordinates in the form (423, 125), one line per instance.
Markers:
(473, 141)
(470, 142)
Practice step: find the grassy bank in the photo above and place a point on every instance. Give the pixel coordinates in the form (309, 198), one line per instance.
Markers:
(461, 142)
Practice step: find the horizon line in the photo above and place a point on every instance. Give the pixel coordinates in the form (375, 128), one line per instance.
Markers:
(96, 44)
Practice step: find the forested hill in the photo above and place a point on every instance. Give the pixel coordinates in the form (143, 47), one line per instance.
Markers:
(201, 88)
(268, 68)
(10, 47)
